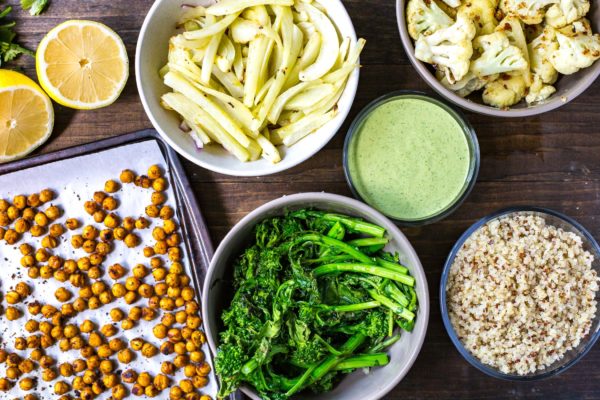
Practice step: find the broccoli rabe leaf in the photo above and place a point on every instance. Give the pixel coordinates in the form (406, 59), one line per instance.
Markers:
(35, 7)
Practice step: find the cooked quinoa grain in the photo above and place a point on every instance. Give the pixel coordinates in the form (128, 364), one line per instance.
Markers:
(521, 293)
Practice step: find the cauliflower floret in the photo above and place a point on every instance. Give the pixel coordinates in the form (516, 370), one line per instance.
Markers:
(497, 55)
(575, 47)
(425, 17)
(512, 27)
(452, 3)
(482, 13)
(450, 49)
(539, 52)
(505, 91)
(529, 11)
(566, 11)
(467, 85)
(538, 91)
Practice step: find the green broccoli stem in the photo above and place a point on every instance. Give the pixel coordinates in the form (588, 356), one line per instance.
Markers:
(391, 265)
(328, 364)
(392, 290)
(330, 259)
(364, 269)
(337, 231)
(343, 247)
(354, 224)
(249, 366)
(385, 344)
(392, 305)
(354, 307)
(363, 361)
(366, 242)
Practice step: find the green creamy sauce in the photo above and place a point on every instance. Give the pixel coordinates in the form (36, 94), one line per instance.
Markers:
(409, 159)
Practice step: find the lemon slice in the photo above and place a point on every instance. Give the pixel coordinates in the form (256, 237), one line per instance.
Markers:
(26, 115)
(82, 64)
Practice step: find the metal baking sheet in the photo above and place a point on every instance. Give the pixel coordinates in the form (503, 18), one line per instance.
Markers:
(75, 174)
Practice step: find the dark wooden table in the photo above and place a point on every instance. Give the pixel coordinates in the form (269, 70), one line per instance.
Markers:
(550, 160)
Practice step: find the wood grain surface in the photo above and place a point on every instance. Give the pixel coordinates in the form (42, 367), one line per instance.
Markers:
(549, 160)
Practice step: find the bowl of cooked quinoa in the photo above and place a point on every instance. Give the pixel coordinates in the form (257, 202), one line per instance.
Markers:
(519, 293)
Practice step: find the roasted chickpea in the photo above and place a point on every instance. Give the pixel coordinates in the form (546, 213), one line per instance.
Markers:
(99, 216)
(127, 176)
(61, 275)
(52, 212)
(158, 198)
(116, 344)
(84, 263)
(66, 370)
(181, 317)
(32, 326)
(61, 387)
(20, 201)
(167, 348)
(106, 297)
(89, 377)
(105, 351)
(159, 184)
(180, 348)
(109, 330)
(198, 338)
(5, 384)
(57, 332)
(111, 220)
(120, 233)
(125, 356)
(12, 297)
(95, 272)
(56, 230)
(89, 232)
(143, 181)
(49, 374)
(77, 343)
(176, 393)
(159, 274)
(186, 332)
(167, 304)
(197, 356)
(160, 247)
(49, 242)
(149, 350)
(154, 302)
(33, 200)
(167, 368)
(109, 380)
(130, 297)
(62, 294)
(32, 396)
(152, 211)
(154, 172)
(137, 390)
(98, 287)
(46, 195)
(80, 304)
(95, 340)
(151, 391)
(148, 314)
(188, 293)
(77, 241)
(117, 315)
(26, 366)
(141, 223)
(148, 251)
(119, 392)
(13, 373)
(129, 376)
(144, 379)
(13, 313)
(109, 203)
(71, 331)
(89, 246)
(45, 272)
(96, 258)
(106, 235)
(173, 280)
(46, 341)
(181, 360)
(21, 226)
(186, 385)
(118, 290)
(111, 186)
(27, 383)
(90, 207)
(193, 321)
(191, 307)
(20, 343)
(131, 240)
(145, 291)
(41, 219)
(13, 213)
(189, 370)
(46, 327)
(48, 310)
(79, 365)
(127, 324)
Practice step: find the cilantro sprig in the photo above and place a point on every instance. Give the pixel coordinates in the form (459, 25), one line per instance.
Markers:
(8, 48)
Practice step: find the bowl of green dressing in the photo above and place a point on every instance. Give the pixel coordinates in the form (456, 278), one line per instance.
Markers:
(412, 157)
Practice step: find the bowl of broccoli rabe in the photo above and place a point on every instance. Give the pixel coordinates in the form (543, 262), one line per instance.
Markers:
(314, 295)
(503, 57)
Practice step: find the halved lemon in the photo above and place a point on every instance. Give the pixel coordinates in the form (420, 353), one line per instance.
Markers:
(26, 115)
(82, 64)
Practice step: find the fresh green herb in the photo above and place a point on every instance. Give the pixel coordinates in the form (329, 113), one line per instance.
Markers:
(316, 297)
(9, 50)
(35, 7)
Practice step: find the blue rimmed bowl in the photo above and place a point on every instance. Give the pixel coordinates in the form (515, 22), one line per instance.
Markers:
(572, 356)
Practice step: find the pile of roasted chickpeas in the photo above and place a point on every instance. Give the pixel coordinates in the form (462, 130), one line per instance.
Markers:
(158, 291)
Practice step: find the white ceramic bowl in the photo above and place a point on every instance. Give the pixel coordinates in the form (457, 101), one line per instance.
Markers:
(151, 55)
(217, 292)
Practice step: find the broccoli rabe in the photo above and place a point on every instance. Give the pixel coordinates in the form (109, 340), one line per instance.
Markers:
(315, 298)
(497, 55)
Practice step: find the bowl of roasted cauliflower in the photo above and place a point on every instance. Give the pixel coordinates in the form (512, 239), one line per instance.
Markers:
(510, 58)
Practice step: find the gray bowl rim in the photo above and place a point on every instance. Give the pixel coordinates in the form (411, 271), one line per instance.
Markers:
(393, 231)
(423, 70)
(586, 347)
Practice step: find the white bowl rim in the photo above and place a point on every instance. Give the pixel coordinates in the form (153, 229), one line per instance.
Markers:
(393, 231)
(581, 86)
(335, 125)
